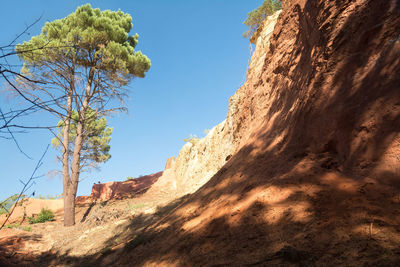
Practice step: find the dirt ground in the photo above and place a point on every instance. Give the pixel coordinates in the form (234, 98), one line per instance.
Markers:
(314, 182)
(32, 206)
(101, 227)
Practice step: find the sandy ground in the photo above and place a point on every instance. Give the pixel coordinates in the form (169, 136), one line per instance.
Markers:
(32, 206)
(100, 227)
(315, 181)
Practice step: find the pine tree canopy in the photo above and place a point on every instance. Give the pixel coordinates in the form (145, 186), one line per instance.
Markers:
(96, 146)
(77, 67)
(256, 17)
(89, 38)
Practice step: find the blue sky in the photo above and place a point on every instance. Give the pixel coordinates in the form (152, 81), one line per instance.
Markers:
(199, 59)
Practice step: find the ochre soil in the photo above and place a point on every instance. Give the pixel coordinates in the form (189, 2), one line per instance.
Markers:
(315, 182)
(100, 227)
(31, 207)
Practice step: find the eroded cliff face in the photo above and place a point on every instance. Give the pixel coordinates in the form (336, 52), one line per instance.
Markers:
(121, 190)
(198, 161)
(314, 137)
(201, 159)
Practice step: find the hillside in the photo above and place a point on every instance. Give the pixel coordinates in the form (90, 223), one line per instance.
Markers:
(315, 176)
(304, 171)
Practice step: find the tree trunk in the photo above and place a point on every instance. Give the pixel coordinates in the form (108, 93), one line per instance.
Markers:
(68, 213)
(69, 205)
(72, 186)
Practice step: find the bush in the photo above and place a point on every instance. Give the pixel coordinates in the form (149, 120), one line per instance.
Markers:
(15, 225)
(18, 226)
(192, 139)
(27, 228)
(256, 17)
(52, 197)
(135, 206)
(45, 215)
(6, 204)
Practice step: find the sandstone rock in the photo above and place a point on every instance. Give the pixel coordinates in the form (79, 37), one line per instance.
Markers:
(170, 163)
(317, 119)
(79, 200)
(197, 162)
(119, 190)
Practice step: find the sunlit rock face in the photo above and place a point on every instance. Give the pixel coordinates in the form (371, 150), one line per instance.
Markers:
(307, 161)
(120, 190)
(200, 159)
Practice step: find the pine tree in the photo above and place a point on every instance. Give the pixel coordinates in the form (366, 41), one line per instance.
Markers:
(97, 136)
(256, 17)
(84, 61)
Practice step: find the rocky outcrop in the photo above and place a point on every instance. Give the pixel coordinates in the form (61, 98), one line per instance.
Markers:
(314, 172)
(200, 159)
(170, 163)
(119, 190)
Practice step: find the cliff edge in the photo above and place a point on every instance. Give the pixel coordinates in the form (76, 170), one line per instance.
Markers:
(307, 162)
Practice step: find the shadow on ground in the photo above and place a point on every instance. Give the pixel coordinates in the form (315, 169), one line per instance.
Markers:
(318, 181)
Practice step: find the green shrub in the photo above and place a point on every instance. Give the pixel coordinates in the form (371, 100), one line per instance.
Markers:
(52, 197)
(6, 204)
(18, 226)
(256, 17)
(12, 225)
(192, 139)
(45, 215)
(27, 228)
(135, 206)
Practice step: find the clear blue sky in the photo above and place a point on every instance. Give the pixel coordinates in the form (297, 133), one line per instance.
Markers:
(199, 59)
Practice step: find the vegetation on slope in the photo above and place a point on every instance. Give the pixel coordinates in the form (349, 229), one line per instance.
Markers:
(256, 17)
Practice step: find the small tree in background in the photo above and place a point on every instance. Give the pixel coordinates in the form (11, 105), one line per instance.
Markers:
(193, 139)
(97, 136)
(6, 204)
(256, 17)
(89, 58)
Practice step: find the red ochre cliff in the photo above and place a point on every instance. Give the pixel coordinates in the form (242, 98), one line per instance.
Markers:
(126, 189)
(304, 171)
(311, 171)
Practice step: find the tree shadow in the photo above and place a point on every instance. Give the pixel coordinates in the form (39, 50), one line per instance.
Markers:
(87, 211)
(311, 186)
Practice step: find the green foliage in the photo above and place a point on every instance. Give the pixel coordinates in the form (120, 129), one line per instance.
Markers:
(6, 204)
(135, 206)
(45, 215)
(27, 228)
(87, 37)
(77, 63)
(256, 17)
(12, 225)
(52, 197)
(129, 178)
(193, 139)
(96, 146)
(18, 226)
